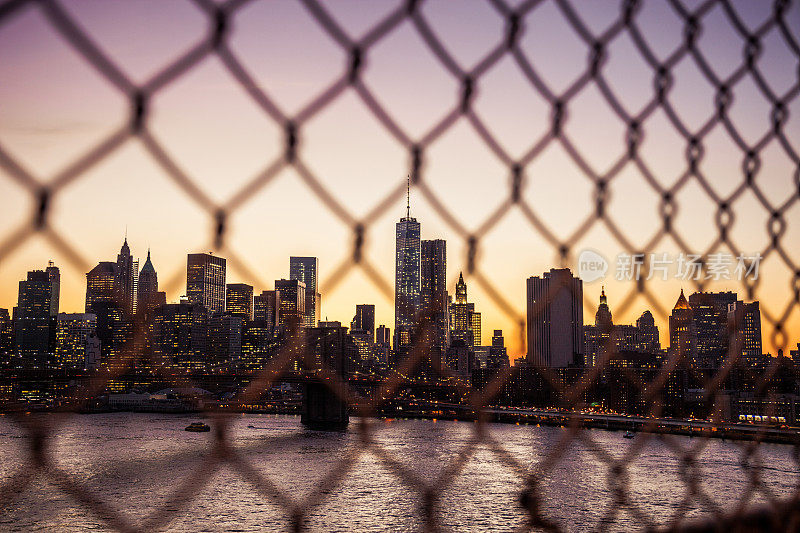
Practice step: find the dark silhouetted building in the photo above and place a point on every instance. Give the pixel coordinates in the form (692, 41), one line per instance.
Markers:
(291, 295)
(498, 356)
(364, 321)
(710, 316)
(205, 281)
(55, 287)
(147, 297)
(362, 331)
(224, 341)
(103, 301)
(383, 343)
(555, 319)
(239, 300)
(126, 280)
(649, 341)
(744, 320)
(465, 322)
(266, 309)
(33, 324)
(682, 338)
(6, 338)
(433, 292)
(100, 286)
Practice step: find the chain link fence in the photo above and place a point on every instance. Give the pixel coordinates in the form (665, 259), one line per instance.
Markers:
(780, 511)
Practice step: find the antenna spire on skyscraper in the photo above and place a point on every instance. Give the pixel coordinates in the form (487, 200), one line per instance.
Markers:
(408, 196)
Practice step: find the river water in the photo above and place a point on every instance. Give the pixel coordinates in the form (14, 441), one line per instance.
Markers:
(135, 461)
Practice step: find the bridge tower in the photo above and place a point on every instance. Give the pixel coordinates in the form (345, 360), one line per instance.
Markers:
(323, 409)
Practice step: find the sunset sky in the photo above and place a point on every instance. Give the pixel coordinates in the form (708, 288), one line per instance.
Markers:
(54, 107)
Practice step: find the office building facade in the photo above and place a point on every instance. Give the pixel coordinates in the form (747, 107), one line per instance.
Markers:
(305, 269)
(239, 300)
(555, 319)
(205, 281)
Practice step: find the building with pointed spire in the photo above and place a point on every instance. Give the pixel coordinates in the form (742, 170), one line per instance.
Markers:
(682, 337)
(465, 331)
(406, 279)
(604, 336)
(464, 320)
(596, 336)
(127, 279)
(147, 289)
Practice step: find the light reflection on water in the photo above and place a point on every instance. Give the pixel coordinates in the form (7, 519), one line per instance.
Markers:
(134, 462)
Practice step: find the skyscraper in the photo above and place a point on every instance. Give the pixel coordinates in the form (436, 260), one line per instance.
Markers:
(77, 344)
(305, 269)
(205, 281)
(433, 291)
(127, 279)
(406, 280)
(710, 316)
(648, 334)
(100, 285)
(180, 333)
(148, 287)
(33, 320)
(6, 338)
(224, 340)
(382, 336)
(555, 319)
(102, 300)
(55, 287)
(239, 300)
(465, 322)
(266, 309)
(596, 336)
(682, 338)
(498, 357)
(364, 321)
(291, 300)
(744, 320)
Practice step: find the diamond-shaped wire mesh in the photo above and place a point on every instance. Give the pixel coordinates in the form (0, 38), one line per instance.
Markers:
(665, 67)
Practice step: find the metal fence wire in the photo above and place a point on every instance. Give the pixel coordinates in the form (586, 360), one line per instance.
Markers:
(779, 513)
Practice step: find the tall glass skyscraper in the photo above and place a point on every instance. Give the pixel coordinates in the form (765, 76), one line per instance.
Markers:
(433, 291)
(305, 269)
(406, 280)
(205, 281)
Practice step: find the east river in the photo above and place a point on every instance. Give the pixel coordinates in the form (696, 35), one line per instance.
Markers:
(135, 462)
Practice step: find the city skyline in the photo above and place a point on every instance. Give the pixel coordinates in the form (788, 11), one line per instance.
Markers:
(270, 264)
(104, 280)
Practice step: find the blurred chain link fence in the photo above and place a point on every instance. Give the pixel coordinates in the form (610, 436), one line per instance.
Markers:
(781, 511)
